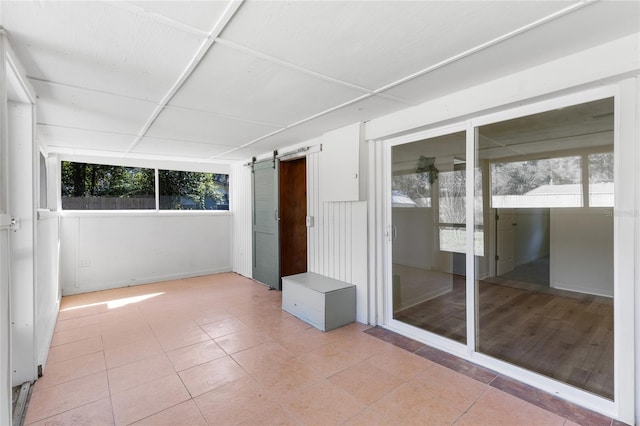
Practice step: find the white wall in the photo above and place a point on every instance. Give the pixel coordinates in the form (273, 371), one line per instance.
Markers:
(531, 239)
(241, 207)
(21, 242)
(582, 250)
(101, 251)
(5, 306)
(414, 241)
(337, 243)
(47, 291)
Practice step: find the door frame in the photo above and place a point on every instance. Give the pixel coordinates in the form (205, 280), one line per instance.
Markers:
(626, 109)
(282, 208)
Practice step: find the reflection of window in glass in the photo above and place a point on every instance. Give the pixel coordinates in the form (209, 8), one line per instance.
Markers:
(453, 213)
(411, 190)
(181, 190)
(601, 180)
(105, 187)
(549, 182)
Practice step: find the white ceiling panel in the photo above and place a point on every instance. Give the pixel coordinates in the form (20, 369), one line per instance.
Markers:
(70, 107)
(201, 15)
(236, 84)
(363, 110)
(177, 148)
(561, 37)
(61, 138)
(198, 126)
(373, 44)
(99, 46)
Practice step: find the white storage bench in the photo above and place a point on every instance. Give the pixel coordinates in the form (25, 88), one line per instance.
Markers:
(321, 301)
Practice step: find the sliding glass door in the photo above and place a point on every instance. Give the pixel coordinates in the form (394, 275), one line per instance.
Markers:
(523, 278)
(429, 234)
(546, 301)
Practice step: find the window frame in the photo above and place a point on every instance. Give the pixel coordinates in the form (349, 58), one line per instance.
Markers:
(156, 211)
(584, 155)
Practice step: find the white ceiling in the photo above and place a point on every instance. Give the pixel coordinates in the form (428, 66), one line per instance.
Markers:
(220, 81)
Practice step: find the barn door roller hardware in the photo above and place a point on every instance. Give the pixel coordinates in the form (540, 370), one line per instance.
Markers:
(275, 157)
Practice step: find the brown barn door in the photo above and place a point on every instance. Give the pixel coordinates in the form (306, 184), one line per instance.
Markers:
(293, 213)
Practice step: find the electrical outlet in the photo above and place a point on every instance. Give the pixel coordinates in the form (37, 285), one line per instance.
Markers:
(84, 262)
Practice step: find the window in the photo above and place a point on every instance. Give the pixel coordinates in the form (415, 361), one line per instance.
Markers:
(553, 182)
(453, 210)
(105, 187)
(601, 179)
(411, 190)
(180, 190)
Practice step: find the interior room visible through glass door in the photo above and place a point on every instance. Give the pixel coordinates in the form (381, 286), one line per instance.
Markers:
(546, 302)
(429, 235)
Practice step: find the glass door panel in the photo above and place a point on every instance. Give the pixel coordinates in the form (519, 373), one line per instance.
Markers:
(544, 298)
(429, 226)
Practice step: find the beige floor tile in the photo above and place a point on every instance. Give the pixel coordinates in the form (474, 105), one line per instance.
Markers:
(142, 401)
(366, 383)
(184, 414)
(132, 352)
(74, 335)
(207, 316)
(211, 375)
(193, 355)
(299, 342)
(368, 417)
(225, 327)
(233, 402)
(287, 380)
(408, 405)
(450, 385)
(70, 324)
(65, 371)
(274, 416)
(182, 337)
(122, 318)
(75, 349)
(499, 408)
(81, 310)
(138, 373)
(266, 355)
(97, 413)
(115, 335)
(402, 364)
(361, 345)
(323, 404)
(240, 341)
(57, 399)
(328, 360)
(280, 371)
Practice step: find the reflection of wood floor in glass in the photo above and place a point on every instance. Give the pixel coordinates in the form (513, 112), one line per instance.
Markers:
(563, 335)
(536, 271)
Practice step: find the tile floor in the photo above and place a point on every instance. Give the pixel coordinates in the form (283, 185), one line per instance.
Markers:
(219, 350)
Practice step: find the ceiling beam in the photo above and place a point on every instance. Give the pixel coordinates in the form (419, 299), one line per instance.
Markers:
(315, 74)
(378, 92)
(571, 8)
(231, 9)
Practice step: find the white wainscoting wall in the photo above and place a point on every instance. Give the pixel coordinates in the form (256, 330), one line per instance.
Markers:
(337, 243)
(107, 250)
